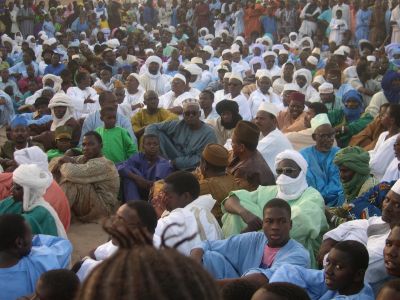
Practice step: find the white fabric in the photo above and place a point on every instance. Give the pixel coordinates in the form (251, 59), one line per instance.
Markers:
(396, 187)
(307, 89)
(169, 100)
(179, 76)
(318, 120)
(78, 97)
(292, 155)
(326, 88)
(244, 108)
(61, 99)
(392, 172)
(132, 99)
(257, 98)
(382, 155)
(269, 108)
(33, 155)
(195, 218)
(35, 182)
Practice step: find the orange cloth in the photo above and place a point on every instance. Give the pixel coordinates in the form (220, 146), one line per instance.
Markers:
(287, 124)
(368, 137)
(252, 19)
(54, 195)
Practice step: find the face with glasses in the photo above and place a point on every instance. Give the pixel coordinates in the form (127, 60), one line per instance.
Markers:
(191, 115)
(324, 136)
(288, 167)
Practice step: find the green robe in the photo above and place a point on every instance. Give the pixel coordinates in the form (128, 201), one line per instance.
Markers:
(39, 218)
(118, 145)
(308, 216)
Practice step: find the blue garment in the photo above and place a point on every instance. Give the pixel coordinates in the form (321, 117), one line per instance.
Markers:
(323, 174)
(326, 15)
(48, 253)
(49, 28)
(78, 27)
(343, 89)
(174, 16)
(269, 25)
(242, 254)
(353, 114)
(149, 15)
(93, 121)
(20, 68)
(42, 120)
(313, 281)
(50, 69)
(6, 110)
(139, 165)
(363, 18)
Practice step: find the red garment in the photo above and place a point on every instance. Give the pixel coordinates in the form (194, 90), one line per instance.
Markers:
(23, 83)
(252, 19)
(202, 14)
(54, 195)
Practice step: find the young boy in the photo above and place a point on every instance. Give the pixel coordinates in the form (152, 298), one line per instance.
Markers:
(105, 83)
(63, 138)
(117, 143)
(342, 277)
(338, 26)
(255, 254)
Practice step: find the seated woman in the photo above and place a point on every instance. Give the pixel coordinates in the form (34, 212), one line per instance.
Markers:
(29, 185)
(90, 181)
(142, 169)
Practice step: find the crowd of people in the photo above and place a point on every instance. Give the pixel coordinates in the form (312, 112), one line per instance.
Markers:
(230, 149)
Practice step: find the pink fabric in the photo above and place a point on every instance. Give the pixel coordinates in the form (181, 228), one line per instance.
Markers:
(269, 255)
(54, 195)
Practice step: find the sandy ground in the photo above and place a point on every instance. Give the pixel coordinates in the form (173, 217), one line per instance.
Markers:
(85, 237)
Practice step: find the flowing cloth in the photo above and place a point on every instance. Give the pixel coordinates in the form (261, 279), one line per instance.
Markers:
(308, 217)
(307, 27)
(242, 254)
(139, 165)
(47, 253)
(91, 186)
(323, 174)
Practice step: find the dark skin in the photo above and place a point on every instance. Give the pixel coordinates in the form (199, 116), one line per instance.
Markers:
(264, 84)
(206, 103)
(391, 252)
(173, 199)
(265, 121)
(83, 84)
(296, 108)
(324, 136)
(235, 87)
(151, 101)
(191, 116)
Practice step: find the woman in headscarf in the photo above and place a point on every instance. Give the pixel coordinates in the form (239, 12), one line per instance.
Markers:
(303, 78)
(350, 120)
(390, 93)
(29, 185)
(353, 164)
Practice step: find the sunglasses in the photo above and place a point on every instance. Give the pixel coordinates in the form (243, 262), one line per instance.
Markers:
(286, 171)
(190, 113)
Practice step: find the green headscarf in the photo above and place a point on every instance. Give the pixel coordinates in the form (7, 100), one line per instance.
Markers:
(357, 160)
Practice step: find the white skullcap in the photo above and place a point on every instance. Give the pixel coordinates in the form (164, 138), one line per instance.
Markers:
(171, 29)
(339, 52)
(291, 87)
(32, 155)
(196, 60)
(396, 187)
(226, 51)
(235, 48)
(209, 50)
(190, 102)
(136, 75)
(222, 67)
(41, 32)
(318, 120)
(180, 77)
(292, 155)
(269, 53)
(227, 75)
(148, 50)
(263, 73)
(240, 38)
(319, 79)
(193, 69)
(283, 51)
(326, 88)
(236, 76)
(312, 60)
(154, 59)
(113, 43)
(75, 56)
(371, 58)
(346, 49)
(50, 41)
(269, 108)
(316, 51)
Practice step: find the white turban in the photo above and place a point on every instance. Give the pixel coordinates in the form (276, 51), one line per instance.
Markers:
(292, 155)
(33, 155)
(396, 187)
(61, 99)
(193, 69)
(34, 182)
(306, 73)
(154, 59)
(56, 79)
(180, 77)
(6, 38)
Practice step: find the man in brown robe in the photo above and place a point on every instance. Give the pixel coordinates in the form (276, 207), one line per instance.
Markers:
(292, 119)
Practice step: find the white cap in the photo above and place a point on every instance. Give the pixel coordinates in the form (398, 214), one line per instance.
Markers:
(180, 77)
(209, 37)
(193, 69)
(269, 108)
(240, 38)
(226, 51)
(346, 49)
(236, 76)
(196, 60)
(326, 88)
(312, 60)
(209, 50)
(222, 67)
(371, 58)
(171, 29)
(269, 53)
(262, 73)
(227, 75)
(316, 51)
(235, 48)
(283, 51)
(291, 87)
(319, 79)
(396, 187)
(339, 52)
(75, 56)
(318, 120)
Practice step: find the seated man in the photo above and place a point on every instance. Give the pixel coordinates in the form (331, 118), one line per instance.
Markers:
(391, 252)
(272, 140)
(142, 169)
(246, 163)
(19, 140)
(372, 233)
(29, 185)
(292, 119)
(393, 172)
(214, 179)
(188, 217)
(24, 259)
(135, 215)
(228, 112)
(235, 94)
(182, 141)
(150, 115)
(255, 252)
(244, 209)
(342, 277)
(322, 173)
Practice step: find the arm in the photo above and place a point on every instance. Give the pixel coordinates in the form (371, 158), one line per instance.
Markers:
(232, 205)
(129, 146)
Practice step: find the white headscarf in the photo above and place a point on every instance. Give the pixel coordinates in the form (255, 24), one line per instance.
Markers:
(291, 188)
(56, 79)
(307, 74)
(61, 99)
(34, 181)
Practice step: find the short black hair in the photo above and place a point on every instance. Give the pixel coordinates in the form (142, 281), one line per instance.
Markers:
(209, 93)
(146, 214)
(12, 226)
(239, 290)
(362, 68)
(317, 107)
(394, 113)
(286, 290)
(41, 101)
(105, 95)
(107, 68)
(279, 203)
(108, 110)
(62, 284)
(182, 182)
(95, 134)
(81, 75)
(150, 136)
(357, 251)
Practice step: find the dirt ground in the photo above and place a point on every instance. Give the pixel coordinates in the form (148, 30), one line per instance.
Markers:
(85, 237)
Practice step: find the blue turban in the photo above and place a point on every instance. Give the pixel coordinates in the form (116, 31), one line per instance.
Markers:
(19, 120)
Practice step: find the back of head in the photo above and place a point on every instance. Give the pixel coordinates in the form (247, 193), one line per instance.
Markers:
(146, 214)
(149, 273)
(239, 290)
(283, 291)
(11, 227)
(279, 203)
(247, 134)
(318, 108)
(59, 284)
(357, 252)
(182, 182)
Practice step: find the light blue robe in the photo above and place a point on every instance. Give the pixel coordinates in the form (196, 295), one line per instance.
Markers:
(313, 281)
(242, 254)
(48, 253)
(20, 68)
(323, 174)
(6, 110)
(363, 18)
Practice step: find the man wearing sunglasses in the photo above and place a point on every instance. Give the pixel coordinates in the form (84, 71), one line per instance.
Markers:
(182, 141)
(322, 173)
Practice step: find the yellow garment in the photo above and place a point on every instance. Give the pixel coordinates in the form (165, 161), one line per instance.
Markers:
(104, 25)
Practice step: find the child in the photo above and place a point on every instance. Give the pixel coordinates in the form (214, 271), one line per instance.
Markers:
(63, 138)
(117, 143)
(220, 25)
(104, 26)
(105, 83)
(338, 26)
